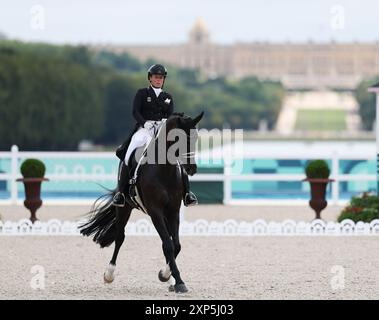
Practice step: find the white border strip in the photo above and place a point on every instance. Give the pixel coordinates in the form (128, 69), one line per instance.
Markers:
(144, 227)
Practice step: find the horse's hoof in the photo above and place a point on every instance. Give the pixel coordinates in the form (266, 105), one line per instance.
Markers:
(171, 288)
(180, 288)
(109, 273)
(108, 278)
(162, 277)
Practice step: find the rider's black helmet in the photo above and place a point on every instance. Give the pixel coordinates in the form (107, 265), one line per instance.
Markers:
(157, 69)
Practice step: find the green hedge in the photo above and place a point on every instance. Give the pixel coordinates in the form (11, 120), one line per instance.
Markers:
(33, 168)
(365, 208)
(317, 169)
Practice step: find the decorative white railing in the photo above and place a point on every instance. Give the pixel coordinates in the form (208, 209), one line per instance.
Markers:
(227, 177)
(144, 227)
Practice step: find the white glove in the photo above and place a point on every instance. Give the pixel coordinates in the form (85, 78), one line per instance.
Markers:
(148, 125)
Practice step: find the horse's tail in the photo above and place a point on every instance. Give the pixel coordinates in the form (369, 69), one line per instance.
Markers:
(102, 221)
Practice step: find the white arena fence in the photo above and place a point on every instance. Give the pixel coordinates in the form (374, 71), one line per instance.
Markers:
(227, 177)
(144, 227)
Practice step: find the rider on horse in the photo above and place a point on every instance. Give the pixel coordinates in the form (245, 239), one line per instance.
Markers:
(150, 106)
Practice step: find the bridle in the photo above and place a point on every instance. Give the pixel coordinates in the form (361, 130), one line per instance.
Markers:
(191, 154)
(186, 155)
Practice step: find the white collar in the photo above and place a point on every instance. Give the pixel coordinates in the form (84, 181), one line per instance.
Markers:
(157, 90)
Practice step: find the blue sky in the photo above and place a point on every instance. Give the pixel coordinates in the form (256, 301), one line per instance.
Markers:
(169, 21)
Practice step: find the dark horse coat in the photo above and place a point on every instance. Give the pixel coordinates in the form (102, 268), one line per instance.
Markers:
(161, 189)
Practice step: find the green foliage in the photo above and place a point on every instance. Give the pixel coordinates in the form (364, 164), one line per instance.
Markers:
(366, 101)
(122, 61)
(327, 120)
(365, 208)
(51, 97)
(48, 102)
(317, 169)
(119, 94)
(33, 168)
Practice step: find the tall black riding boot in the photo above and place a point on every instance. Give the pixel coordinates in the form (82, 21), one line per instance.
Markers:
(122, 185)
(189, 198)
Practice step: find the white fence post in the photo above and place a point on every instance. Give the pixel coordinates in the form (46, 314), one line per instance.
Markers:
(335, 175)
(14, 169)
(227, 182)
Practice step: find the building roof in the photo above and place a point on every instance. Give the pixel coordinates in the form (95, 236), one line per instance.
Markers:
(200, 25)
(199, 32)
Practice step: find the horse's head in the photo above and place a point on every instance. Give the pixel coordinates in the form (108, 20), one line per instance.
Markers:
(187, 136)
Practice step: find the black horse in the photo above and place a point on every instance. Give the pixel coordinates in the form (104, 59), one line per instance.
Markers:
(160, 187)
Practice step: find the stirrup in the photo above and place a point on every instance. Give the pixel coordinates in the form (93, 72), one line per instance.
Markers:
(190, 199)
(119, 200)
(132, 191)
(132, 186)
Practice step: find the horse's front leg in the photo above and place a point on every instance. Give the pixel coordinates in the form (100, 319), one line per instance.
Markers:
(169, 251)
(164, 274)
(122, 217)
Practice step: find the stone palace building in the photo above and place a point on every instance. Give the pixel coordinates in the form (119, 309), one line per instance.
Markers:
(297, 65)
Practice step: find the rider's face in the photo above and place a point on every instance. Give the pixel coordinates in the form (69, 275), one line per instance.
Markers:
(156, 80)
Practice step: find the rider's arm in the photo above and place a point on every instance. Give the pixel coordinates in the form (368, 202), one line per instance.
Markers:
(137, 106)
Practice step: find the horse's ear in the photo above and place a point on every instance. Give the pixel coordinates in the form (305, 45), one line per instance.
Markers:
(197, 119)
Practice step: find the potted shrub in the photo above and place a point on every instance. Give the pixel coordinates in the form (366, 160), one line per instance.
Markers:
(364, 208)
(317, 172)
(33, 172)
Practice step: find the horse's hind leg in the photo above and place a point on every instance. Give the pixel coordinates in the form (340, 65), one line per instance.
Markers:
(169, 251)
(122, 217)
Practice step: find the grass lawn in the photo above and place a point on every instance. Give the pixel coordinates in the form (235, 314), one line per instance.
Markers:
(321, 120)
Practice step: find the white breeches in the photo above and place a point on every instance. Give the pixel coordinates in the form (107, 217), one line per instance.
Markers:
(141, 138)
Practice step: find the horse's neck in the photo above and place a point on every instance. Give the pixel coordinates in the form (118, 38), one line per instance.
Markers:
(166, 169)
(162, 134)
(157, 152)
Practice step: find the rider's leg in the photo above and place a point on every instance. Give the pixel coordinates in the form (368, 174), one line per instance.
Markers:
(189, 198)
(122, 183)
(139, 139)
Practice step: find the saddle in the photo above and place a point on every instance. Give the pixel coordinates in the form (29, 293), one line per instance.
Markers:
(121, 149)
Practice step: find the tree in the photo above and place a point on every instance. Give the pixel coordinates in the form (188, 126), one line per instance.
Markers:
(48, 104)
(51, 97)
(122, 61)
(119, 95)
(366, 103)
